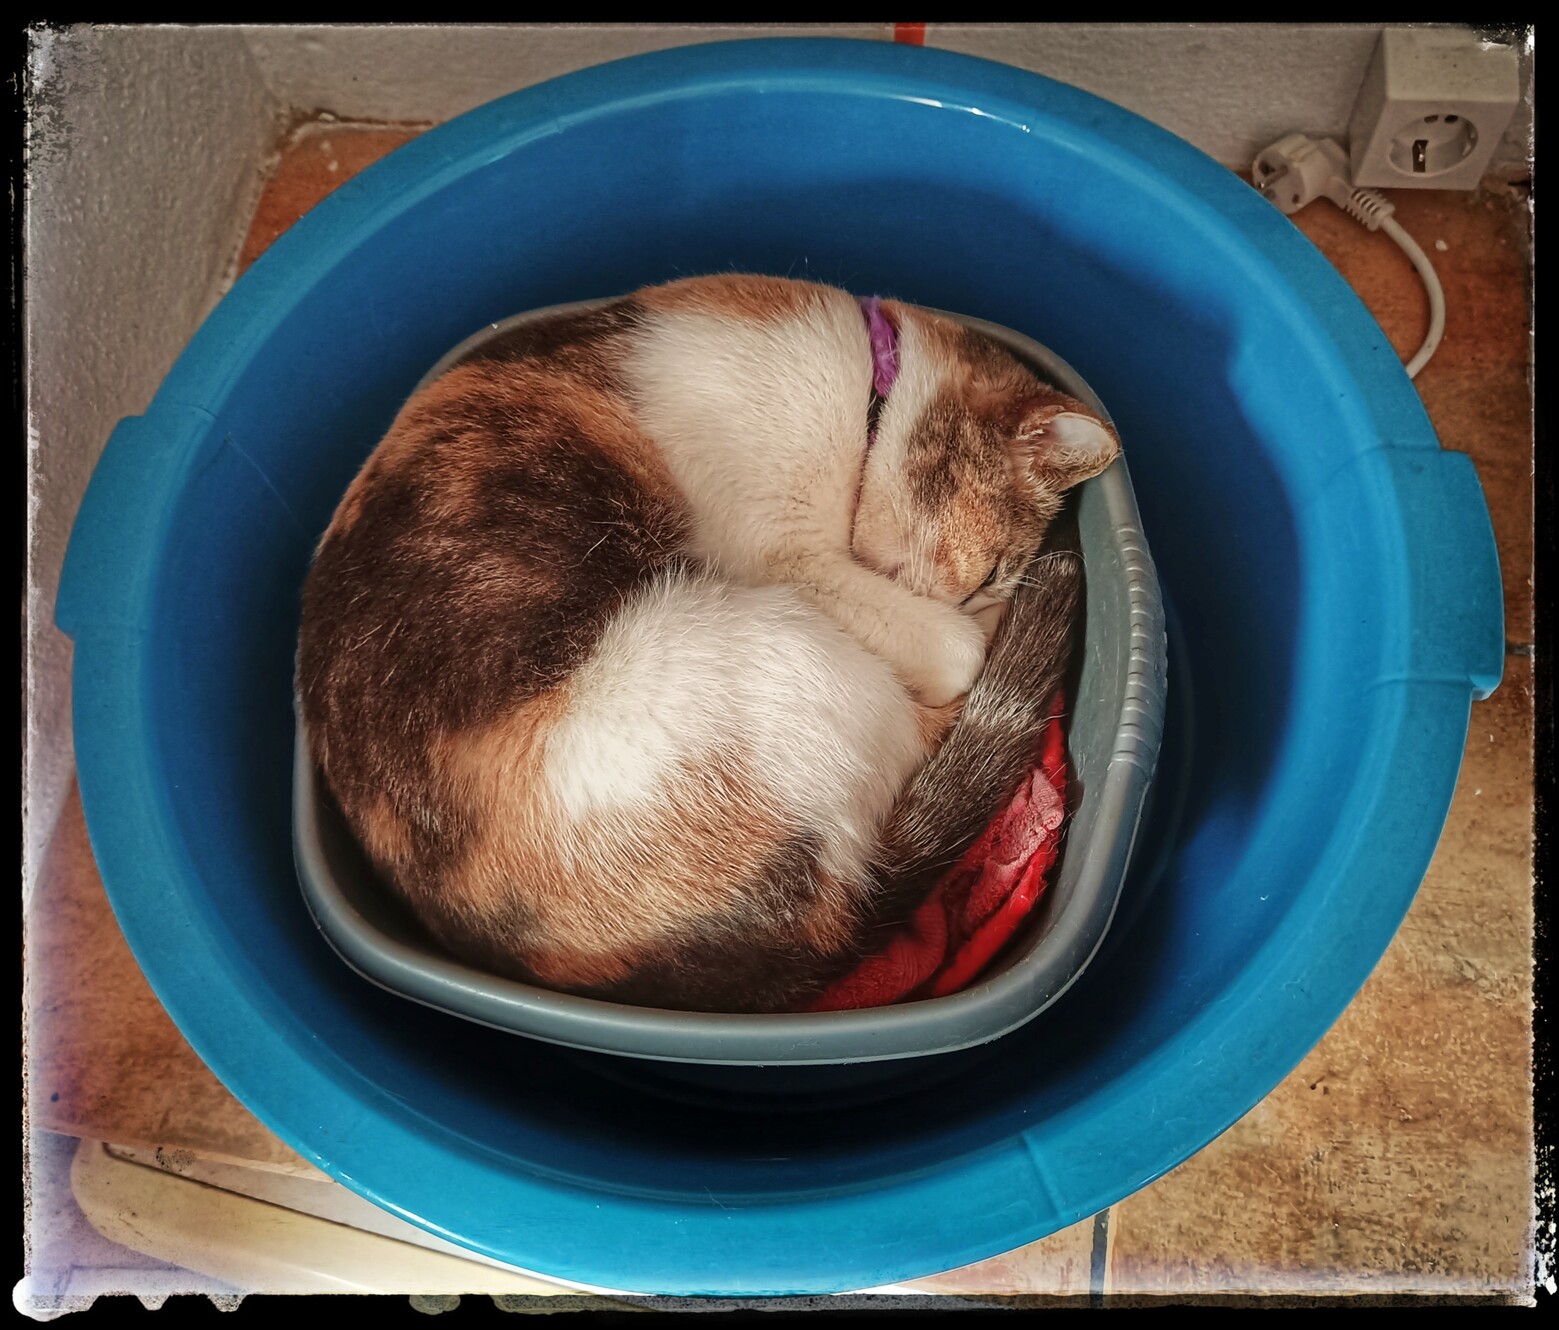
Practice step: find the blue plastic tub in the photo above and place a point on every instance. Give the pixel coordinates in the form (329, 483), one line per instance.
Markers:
(1333, 596)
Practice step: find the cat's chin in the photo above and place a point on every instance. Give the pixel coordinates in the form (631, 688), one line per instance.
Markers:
(980, 602)
(989, 618)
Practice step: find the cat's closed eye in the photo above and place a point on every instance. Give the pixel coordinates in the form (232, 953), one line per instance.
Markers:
(985, 584)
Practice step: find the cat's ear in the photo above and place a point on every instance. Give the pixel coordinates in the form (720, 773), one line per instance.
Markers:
(1059, 447)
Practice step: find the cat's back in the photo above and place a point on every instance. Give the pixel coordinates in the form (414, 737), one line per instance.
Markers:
(480, 552)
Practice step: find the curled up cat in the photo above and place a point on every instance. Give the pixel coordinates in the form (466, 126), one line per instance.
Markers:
(667, 651)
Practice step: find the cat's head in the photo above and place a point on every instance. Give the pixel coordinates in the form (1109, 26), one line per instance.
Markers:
(971, 457)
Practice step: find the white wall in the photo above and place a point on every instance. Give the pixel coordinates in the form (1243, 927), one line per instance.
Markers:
(1230, 88)
(144, 152)
(420, 72)
(146, 147)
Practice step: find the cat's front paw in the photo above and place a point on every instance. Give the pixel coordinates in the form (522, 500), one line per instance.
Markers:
(949, 660)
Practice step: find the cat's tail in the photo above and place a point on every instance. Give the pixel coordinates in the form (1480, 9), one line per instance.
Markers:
(738, 964)
(995, 739)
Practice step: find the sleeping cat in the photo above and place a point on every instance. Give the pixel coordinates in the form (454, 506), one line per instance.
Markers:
(631, 652)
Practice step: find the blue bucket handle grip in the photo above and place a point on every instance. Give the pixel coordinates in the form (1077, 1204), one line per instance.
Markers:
(119, 527)
(1459, 607)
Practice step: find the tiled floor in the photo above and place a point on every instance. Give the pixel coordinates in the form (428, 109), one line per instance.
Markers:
(1396, 1158)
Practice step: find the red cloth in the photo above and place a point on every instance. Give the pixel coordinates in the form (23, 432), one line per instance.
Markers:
(980, 902)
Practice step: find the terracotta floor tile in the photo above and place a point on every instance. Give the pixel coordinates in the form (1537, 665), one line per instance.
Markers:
(1059, 1266)
(316, 158)
(104, 1059)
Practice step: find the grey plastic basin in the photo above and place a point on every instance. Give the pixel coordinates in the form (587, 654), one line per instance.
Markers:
(1113, 741)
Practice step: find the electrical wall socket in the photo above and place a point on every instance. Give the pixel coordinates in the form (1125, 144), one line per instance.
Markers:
(1431, 109)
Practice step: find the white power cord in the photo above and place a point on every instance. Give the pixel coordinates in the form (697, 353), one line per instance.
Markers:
(1296, 170)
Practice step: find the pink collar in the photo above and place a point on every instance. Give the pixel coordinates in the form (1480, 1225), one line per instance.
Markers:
(885, 360)
(884, 346)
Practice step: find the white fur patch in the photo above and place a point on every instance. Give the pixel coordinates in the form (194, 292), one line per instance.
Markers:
(693, 666)
(762, 424)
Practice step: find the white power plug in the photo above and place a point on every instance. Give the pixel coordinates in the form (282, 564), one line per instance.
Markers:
(1431, 109)
(1297, 170)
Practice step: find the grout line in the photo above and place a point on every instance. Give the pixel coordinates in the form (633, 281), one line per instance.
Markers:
(1099, 1258)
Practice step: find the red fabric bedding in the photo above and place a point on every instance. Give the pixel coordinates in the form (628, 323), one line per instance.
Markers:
(980, 902)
